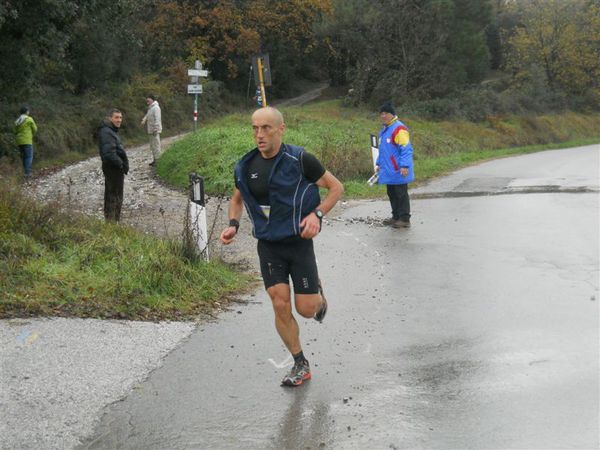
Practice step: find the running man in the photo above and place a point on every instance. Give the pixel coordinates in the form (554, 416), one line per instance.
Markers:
(279, 186)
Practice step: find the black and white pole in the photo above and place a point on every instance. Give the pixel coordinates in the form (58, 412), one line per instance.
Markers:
(198, 214)
(196, 88)
(195, 112)
(374, 154)
(374, 149)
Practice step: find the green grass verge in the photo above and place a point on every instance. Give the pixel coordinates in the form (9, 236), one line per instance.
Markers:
(340, 138)
(53, 264)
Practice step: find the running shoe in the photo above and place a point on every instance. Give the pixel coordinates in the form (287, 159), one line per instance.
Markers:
(299, 373)
(320, 314)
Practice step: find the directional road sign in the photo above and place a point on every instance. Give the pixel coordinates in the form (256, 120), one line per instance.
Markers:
(197, 73)
(194, 89)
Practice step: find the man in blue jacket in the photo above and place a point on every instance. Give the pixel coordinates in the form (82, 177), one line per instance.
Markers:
(395, 165)
(278, 184)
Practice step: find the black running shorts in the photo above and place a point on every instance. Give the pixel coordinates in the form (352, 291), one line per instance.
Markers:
(292, 258)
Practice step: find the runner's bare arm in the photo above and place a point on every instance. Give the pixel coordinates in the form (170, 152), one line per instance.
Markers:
(236, 207)
(311, 225)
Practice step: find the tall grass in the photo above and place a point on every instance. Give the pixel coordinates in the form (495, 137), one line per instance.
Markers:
(340, 138)
(55, 264)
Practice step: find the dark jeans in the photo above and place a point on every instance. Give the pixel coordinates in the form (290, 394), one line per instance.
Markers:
(398, 195)
(27, 156)
(113, 192)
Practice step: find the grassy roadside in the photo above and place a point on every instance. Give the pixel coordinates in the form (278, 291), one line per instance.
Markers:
(340, 138)
(57, 264)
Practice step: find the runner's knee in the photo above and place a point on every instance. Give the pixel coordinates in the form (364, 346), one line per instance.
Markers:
(307, 306)
(281, 304)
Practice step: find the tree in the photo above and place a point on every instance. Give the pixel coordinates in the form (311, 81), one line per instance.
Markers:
(104, 44)
(33, 45)
(72, 45)
(287, 33)
(560, 38)
(224, 34)
(409, 48)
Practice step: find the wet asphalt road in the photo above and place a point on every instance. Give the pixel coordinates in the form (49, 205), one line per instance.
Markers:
(476, 328)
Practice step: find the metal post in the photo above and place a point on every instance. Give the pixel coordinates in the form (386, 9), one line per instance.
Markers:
(197, 65)
(195, 112)
(261, 79)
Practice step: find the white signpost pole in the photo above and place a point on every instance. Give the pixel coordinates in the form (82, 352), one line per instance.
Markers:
(195, 88)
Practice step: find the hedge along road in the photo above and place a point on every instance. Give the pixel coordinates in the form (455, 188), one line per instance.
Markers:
(476, 328)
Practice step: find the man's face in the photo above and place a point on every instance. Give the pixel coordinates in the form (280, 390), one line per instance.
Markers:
(116, 119)
(268, 132)
(149, 101)
(385, 117)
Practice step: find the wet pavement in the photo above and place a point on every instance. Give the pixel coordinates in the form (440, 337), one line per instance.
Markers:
(475, 328)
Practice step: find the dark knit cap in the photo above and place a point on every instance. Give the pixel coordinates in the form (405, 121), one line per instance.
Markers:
(24, 109)
(388, 108)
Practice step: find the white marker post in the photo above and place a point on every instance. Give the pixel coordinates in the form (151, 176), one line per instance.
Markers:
(195, 88)
(375, 154)
(374, 149)
(198, 215)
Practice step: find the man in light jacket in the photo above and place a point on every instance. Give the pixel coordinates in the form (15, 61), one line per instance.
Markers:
(153, 123)
(24, 130)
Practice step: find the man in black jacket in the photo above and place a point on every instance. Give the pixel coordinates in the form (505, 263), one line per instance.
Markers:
(115, 164)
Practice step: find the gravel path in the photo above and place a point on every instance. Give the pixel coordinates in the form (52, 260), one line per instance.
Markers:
(309, 96)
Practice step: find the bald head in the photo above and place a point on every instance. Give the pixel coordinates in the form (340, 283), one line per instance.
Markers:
(268, 129)
(269, 113)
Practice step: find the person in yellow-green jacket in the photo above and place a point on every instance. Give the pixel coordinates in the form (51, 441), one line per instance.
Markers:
(24, 130)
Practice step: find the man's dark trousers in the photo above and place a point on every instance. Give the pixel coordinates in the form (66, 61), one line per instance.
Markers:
(398, 195)
(113, 192)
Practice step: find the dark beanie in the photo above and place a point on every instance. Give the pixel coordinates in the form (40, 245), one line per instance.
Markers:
(388, 108)
(24, 110)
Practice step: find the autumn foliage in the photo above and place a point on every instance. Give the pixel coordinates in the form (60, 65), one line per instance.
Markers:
(224, 35)
(560, 39)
